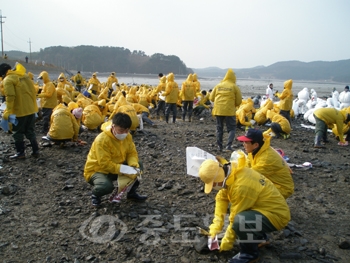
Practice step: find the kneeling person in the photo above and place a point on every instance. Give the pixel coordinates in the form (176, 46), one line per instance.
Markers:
(252, 198)
(112, 149)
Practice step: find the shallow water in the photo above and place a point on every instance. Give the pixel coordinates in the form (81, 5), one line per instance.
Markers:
(248, 86)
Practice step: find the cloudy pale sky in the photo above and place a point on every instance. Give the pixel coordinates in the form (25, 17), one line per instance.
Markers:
(202, 33)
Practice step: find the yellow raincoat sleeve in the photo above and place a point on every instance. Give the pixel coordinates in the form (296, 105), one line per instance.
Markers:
(221, 206)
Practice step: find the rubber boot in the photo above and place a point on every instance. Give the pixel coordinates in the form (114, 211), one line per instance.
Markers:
(133, 195)
(325, 139)
(35, 148)
(318, 142)
(20, 151)
(174, 118)
(249, 253)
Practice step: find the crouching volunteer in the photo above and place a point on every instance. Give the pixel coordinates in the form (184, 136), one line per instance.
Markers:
(267, 161)
(64, 127)
(112, 155)
(257, 207)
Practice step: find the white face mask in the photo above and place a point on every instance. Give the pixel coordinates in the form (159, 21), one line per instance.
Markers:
(120, 136)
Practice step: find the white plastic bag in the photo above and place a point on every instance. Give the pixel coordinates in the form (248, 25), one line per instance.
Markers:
(194, 159)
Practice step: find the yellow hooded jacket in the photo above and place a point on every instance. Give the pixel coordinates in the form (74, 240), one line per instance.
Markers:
(95, 83)
(171, 92)
(111, 79)
(107, 154)
(196, 83)
(260, 115)
(332, 117)
(269, 163)
(247, 189)
(286, 97)
(92, 117)
(188, 89)
(282, 121)
(20, 92)
(161, 86)
(226, 96)
(63, 125)
(48, 94)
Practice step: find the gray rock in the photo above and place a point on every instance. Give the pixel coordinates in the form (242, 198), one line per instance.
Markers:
(344, 244)
(286, 232)
(322, 251)
(291, 255)
(201, 246)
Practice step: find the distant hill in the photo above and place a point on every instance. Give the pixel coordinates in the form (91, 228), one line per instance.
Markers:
(338, 71)
(105, 59)
(122, 60)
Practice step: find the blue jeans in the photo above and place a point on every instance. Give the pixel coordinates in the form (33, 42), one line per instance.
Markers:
(145, 118)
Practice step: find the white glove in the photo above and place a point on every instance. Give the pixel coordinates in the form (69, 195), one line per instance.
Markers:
(126, 169)
(252, 122)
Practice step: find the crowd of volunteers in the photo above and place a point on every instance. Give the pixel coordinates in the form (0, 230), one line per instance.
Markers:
(252, 189)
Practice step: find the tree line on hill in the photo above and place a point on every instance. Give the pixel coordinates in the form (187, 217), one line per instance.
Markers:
(105, 59)
(122, 60)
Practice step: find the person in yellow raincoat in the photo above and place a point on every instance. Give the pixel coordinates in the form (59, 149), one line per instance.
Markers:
(267, 161)
(144, 111)
(346, 131)
(286, 99)
(226, 97)
(111, 79)
(144, 98)
(78, 80)
(94, 84)
(92, 117)
(171, 94)
(161, 100)
(110, 152)
(245, 113)
(327, 118)
(280, 126)
(260, 115)
(196, 83)
(256, 206)
(20, 101)
(187, 95)
(202, 104)
(64, 84)
(64, 126)
(48, 97)
(132, 96)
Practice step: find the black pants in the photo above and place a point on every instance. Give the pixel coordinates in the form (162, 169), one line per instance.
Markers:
(286, 114)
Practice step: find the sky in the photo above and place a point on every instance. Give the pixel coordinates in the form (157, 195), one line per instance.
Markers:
(202, 33)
